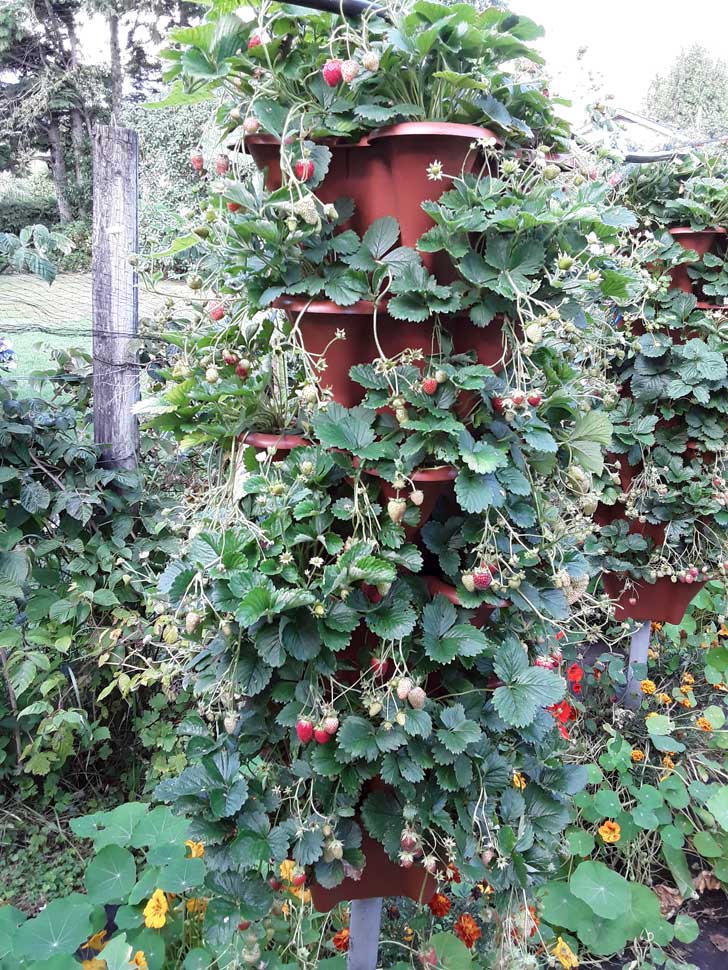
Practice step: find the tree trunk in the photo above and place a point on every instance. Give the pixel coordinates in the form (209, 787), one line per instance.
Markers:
(116, 75)
(58, 171)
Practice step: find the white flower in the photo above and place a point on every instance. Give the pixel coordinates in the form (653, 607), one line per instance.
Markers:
(434, 171)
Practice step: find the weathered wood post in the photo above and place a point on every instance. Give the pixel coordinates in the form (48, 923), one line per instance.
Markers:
(364, 923)
(115, 295)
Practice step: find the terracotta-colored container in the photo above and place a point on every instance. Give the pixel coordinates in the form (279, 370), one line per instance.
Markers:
(319, 320)
(432, 482)
(662, 601)
(356, 171)
(701, 241)
(282, 442)
(381, 877)
(482, 613)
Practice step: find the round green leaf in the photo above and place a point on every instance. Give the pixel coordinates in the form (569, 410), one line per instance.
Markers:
(61, 928)
(198, 959)
(706, 845)
(111, 875)
(605, 892)
(686, 929)
(607, 803)
(580, 842)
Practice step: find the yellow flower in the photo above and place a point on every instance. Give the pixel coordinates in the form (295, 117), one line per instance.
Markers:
(94, 964)
(652, 654)
(688, 678)
(287, 869)
(704, 724)
(651, 714)
(668, 762)
(648, 687)
(139, 961)
(155, 912)
(300, 892)
(565, 955)
(686, 702)
(664, 698)
(197, 849)
(655, 626)
(686, 689)
(408, 934)
(610, 832)
(96, 942)
(637, 755)
(723, 632)
(519, 780)
(196, 906)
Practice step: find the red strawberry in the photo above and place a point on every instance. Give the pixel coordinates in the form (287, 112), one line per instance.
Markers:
(197, 159)
(242, 371)
(217, 310)
(304, 169)
(222, 164)
(234, 206)
(243, 925)
(275, 884)
(371, 593)
(379, 666)
(304, 729)
(408, 840)
(482, 578)
(332, 72)
(299, 878)
(429, 385)
(229, 357)
(321, 736)
(499, 404)
(518, 397)
(534, 398)
(254, 41)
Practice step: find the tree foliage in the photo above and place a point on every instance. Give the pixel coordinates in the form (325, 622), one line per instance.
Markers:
(693, 95)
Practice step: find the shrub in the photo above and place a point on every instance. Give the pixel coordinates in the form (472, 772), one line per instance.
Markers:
(25, 201)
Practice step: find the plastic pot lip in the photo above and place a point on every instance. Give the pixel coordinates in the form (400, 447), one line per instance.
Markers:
(711, 306)
(297, 303)
(265, 138)
(443, 473)
(451, 128)
(282, 440)
(435, 586)
(687, 231)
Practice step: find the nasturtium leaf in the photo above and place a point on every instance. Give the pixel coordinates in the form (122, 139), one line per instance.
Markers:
(159, 826)
(604, 891)
(59, 929)
(181, 875)
(686, 928)
(110, 875)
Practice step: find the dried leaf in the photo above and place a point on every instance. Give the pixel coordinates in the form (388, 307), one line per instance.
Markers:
(705, 880)
(719, 941)
(670, 900)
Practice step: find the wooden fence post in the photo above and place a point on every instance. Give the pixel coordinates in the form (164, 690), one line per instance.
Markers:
(115, 295)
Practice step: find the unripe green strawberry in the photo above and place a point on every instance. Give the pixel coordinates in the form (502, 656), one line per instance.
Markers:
(468, 581)
(396, 508)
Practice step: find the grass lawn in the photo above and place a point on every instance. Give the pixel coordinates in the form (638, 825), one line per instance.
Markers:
(37, 317)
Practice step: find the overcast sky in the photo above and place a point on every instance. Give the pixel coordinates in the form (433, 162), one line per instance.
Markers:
(628, 41)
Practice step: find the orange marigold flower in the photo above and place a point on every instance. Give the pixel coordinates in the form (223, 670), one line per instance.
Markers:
(637, 755)
(648, 687)
(664, 698)
(341, 940)
(286, 869)
(685, 702)
(704, 724)
(723, 632)
(655, 627)
(610, 831)
(452, 873)
(467, 930)
(519, 780)
(439, 905)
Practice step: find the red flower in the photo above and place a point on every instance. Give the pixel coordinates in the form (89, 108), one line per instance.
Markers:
(563, 712)
(452, 873)
(341, 940)
(439, 905)
(574, 673)
(467, 930)
(576, 689)
(560, 635)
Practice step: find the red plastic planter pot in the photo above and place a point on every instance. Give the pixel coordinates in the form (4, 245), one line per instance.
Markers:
(381, 877)
(356, 171)
(282, 442)
(701, 241)
(432, 482)
(662, 601)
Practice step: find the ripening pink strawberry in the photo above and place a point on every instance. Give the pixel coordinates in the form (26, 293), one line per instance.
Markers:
(217, 310)
(222, 164)
(370, 61)
(230, 357)
(429, 385)
(406, 860)
(331, 724)
(304, 169)
(499, 405)
(416, 698)
(482, 578)
(349, 70)
(379, 666)
(233, 206)
(408, 840)
(251, 125)
(404, 686)
(197, 159)
(331, 72)
(518, 397)
(255, 40)
(304, 729)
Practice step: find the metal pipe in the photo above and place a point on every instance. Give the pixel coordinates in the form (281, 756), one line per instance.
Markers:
(347, 8)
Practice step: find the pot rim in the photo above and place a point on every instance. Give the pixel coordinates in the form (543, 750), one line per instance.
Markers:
(280, 439)
(452, 128)
(441, 473)
(297, 303)
(687, 231)
(336, 141)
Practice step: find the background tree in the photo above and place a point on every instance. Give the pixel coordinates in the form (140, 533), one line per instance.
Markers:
(693, 95)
